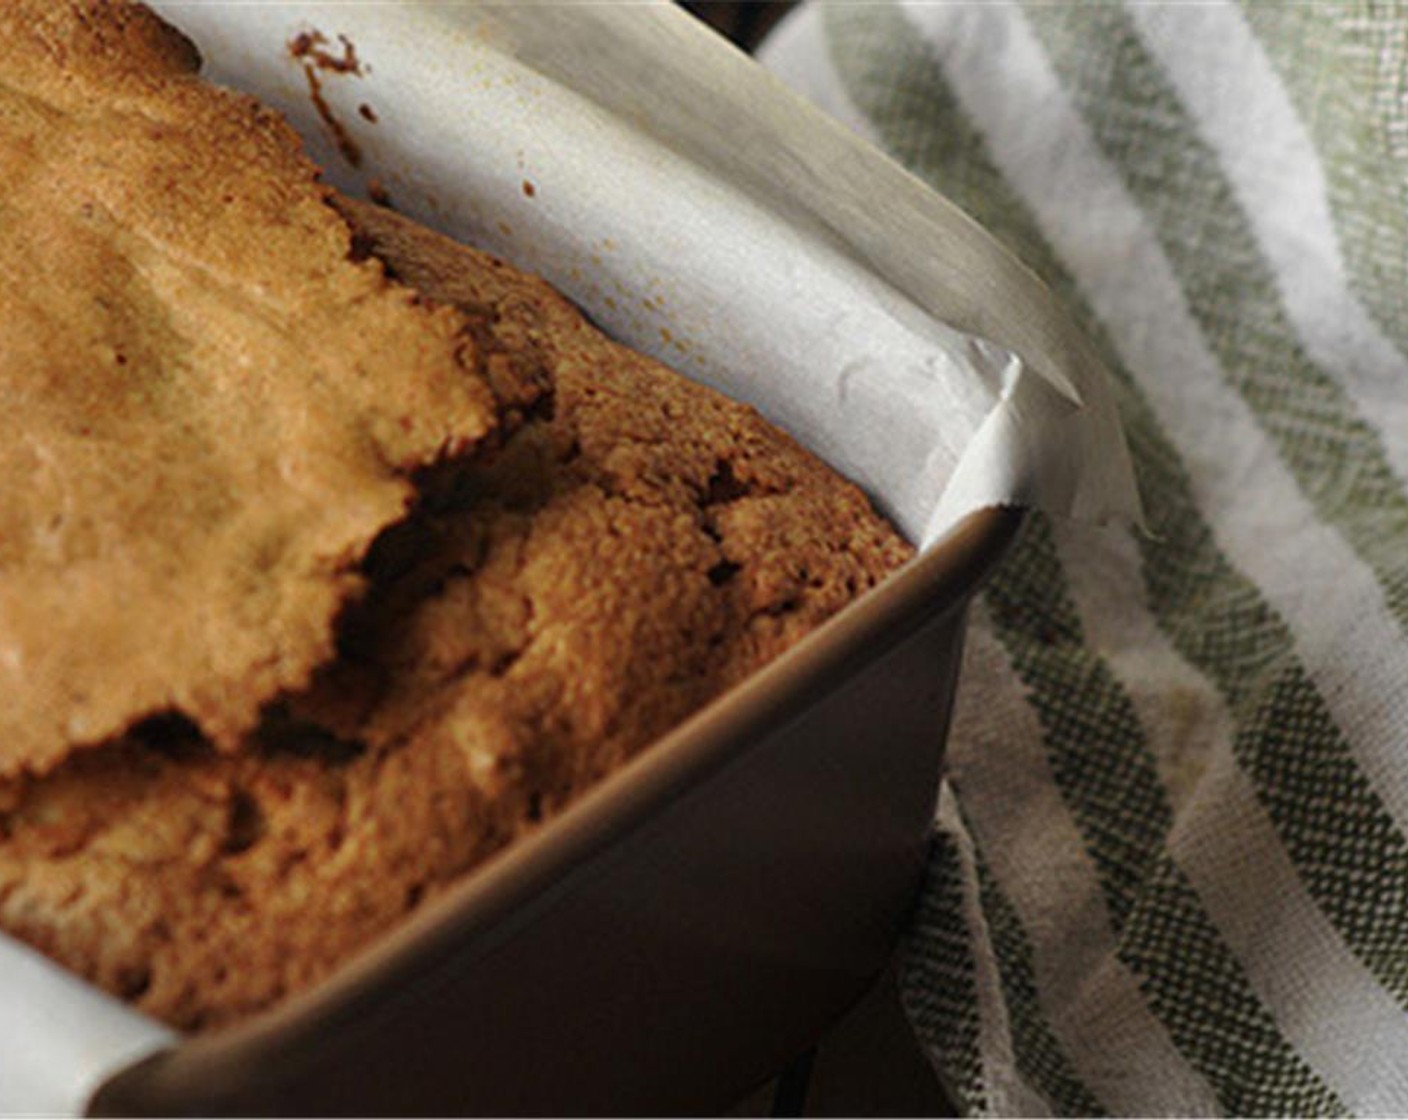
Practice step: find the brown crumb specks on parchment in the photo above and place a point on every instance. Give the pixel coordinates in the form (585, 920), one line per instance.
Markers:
(311, 49)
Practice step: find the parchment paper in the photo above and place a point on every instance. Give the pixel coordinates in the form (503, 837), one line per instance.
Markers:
(701, 212)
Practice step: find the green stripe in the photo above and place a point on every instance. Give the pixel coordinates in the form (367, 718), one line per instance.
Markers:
(1237, 1047)
(1336, 457)
(1041, 1062)
(937, 978)
(1344, 67)
(1095, 746)
(1244, 646)
(893, 80)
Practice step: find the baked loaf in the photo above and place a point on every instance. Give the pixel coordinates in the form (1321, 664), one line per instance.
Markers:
(550, 551)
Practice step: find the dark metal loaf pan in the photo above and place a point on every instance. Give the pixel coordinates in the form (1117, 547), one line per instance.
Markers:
(672, 939)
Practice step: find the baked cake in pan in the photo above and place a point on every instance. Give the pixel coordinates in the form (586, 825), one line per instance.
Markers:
(334, 555)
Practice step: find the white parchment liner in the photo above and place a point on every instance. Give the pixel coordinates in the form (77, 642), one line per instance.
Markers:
(703, 213)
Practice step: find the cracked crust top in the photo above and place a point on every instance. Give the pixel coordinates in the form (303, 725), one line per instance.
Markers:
(633, 545)
(211, 406)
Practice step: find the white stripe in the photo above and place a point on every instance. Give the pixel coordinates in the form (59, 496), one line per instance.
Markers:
(1007, 1094)
(1224, 79)
(1346, 637)
(1092, 1001)
(1325, 1003)
(1181, 711)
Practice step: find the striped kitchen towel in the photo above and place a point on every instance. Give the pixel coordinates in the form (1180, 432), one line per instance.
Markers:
(1170, 866)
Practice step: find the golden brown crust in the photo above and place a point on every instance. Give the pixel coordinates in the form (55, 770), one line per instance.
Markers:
(211, 407)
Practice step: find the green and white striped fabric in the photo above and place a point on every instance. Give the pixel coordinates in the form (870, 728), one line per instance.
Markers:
(1170, 867)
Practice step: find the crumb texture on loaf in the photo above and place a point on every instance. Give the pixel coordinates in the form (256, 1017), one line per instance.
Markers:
(211, 404)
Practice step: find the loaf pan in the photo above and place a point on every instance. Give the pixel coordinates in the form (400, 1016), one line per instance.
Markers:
(703, 915)
(673, 938)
